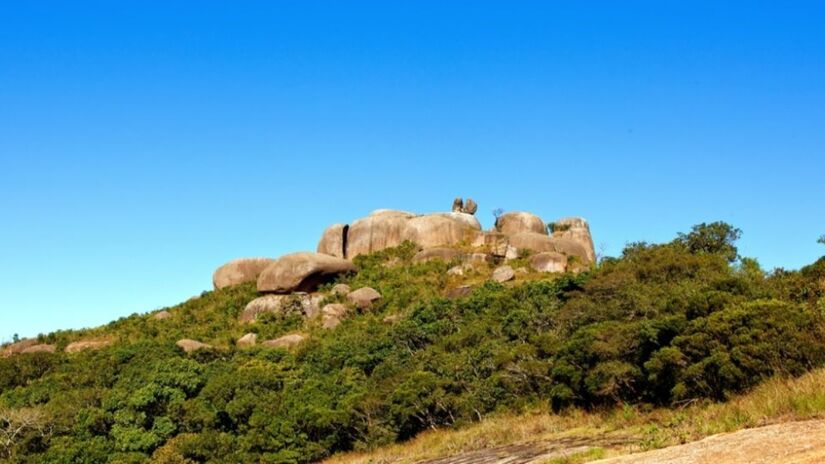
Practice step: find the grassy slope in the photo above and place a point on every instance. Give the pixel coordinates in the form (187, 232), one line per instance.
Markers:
(775, 401)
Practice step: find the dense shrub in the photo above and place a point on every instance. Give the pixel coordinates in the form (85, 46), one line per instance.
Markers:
(660, 324)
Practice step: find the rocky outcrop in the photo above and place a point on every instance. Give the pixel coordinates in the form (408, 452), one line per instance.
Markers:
(286, 342)
(301, 272)
(364, 297)
(41, 348)
(549, 261)
(388, 228)
(239, 271)
(18, 347)
(577, 230)
(442, 253)
(161, 315)
(381, 229)
(341, 289)
(247, 340)
(540, 243)
(504, 274)
(304, 303)
(468, 207)
(332, 314)
(190, 346)
(77, 347)
(334, 241)
(517, 222)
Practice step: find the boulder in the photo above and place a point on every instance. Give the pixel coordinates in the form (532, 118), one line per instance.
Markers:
(363, 297)
(189, 346)
(539, 243)
(302, 272)
(504, 274)
(549, 261)
(442, 253)
(381, 229)
(18, 347)
(470, 207)
(440, 229)
(341, 289)
(161, 315)
(577, 230)
(306, 304)
(247, 340)
(239, 271)
(496, 244)
(265, 304)
(518, 222)
(458, 205)
(334, 240)
(477, 258)
(332, 315)
(77, 347)
(456, 270)
(41, 348)
(286, 342)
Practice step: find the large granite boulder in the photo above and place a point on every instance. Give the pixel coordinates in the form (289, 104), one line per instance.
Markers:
(302, 272)
(306, 304)
(239, 271)
(364, 297)
(389, 228)
(504, 274)
(334, 240)
(189, 346)
(540, 243)
(247, 340)
(517, 222)
(576, 229)
(286, 342)
(381, 229)
(77, 347)
(549, 261)
(332, 315)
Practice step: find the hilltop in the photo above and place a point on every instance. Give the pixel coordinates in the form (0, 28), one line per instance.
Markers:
(402, 323)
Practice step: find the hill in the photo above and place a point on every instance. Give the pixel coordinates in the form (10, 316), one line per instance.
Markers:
(659, 327)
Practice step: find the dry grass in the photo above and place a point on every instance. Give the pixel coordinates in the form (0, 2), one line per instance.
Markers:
(777, 400)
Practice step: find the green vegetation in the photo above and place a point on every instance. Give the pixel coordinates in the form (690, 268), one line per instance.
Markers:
(661, 325)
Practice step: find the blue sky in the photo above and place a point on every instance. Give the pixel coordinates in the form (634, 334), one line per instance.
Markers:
(145, 143)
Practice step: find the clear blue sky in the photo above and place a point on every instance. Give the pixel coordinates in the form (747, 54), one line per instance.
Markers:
(145, 143)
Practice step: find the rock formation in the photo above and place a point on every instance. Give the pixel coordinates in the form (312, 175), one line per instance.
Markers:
(247, 340)
(504, 274)
(364, 297)
(301, 272)
(517, 222)
(549, 261)
(239, 271)
(77, 347)
(189, 346)
(286, 342)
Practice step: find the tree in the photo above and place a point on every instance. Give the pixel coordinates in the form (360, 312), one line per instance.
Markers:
(717, 238)
(16, 424)
(821, 239)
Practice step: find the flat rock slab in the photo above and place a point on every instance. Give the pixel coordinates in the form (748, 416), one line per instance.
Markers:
(788, 443)
(527, 453)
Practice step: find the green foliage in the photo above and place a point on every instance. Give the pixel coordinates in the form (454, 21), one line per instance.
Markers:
(661, 324)
(714, 238)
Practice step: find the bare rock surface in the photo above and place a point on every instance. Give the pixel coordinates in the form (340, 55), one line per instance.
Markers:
(341, 289)
(301, 272)
(442, 253)
(518, 221)
(190, 346)
(77, 347)
(577, 230)
(364, 297)
(287, 341)
(787, 443)
(549, 261)
(161, 315)
(247, 340)
(504, 274)
(18, 347)
(333, 242)
(541, 243)
(239, 271)
(332, 314)
(41, 348)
